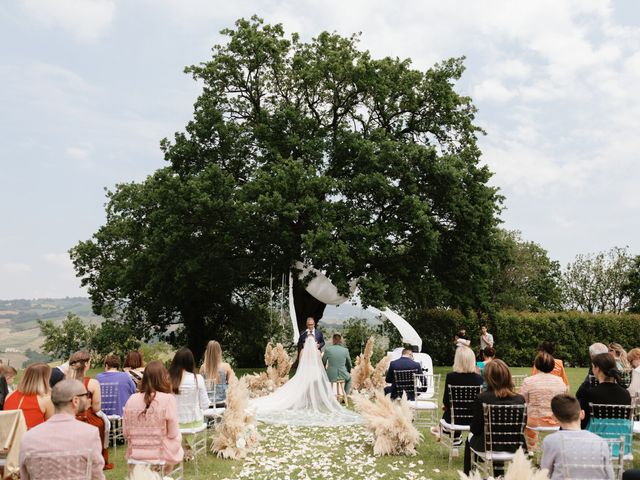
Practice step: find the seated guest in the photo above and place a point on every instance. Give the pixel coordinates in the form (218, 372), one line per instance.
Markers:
(594, 349)
(215, 370)
(184, 378)
(634, 360)
(62, 433)
(488, 354)
(619, 353)
(608, 391)
(155, 398)
(9, 373)
(58, 373)
(464, 374)
(567, 411)
(558, 368)
(33, 395)
(538, 390)
(500, 391)
(405, 362)
(134, 365)
(79, 364)
(125, 386)
(4, 390)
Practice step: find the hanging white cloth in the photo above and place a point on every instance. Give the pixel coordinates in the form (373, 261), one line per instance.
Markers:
(307, 399)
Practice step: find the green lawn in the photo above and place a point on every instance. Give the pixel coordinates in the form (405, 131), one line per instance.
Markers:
(330, 453)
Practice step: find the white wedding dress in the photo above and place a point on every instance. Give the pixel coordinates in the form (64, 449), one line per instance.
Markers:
(307, 398)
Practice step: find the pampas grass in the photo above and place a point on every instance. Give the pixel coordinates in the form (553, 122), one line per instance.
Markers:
(236, 435)
(390, 422)
(361, 373)
(143, 472)
(278, 365)
(378, 381)
(519, 469)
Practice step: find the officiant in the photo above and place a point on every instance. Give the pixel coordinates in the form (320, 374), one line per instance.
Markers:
(313, 332)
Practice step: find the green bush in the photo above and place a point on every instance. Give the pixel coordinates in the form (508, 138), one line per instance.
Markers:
(518, 334)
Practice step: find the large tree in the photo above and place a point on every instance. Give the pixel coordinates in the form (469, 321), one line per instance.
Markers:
(313, 151)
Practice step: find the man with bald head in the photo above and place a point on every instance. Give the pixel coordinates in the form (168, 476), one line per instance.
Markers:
(62, 433)
(594, 349)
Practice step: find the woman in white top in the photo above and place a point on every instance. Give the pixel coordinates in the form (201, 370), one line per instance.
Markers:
(634, 359)
(189, 389)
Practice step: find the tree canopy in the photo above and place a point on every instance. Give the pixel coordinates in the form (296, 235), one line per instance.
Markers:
(366, 168)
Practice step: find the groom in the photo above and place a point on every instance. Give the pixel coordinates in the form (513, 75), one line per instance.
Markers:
(338, 361)
(311, 331)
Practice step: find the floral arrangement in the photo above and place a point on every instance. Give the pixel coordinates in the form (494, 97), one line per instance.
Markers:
(519, 469)
(361, 373)
(390, 422)
(237, 434)
(278, 365)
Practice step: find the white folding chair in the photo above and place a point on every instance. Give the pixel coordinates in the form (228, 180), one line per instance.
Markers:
(109, 402)
(517, 381)
(587, 459)
(461, 400)
(425, 403)
(403, 381)
(188, 403)
(611, 422)
(146, 429)
(59, 465)
(503, 435)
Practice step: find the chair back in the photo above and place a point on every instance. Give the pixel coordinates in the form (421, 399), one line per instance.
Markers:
(404, 382)
(625, 377)
(426, 386)
(145, 432)
(59, 465)
(591, 458)
(611, 422)
(109, 398)
(188, 403)
(517, 380)
(504, 427)
(211, 391)
(461, 400)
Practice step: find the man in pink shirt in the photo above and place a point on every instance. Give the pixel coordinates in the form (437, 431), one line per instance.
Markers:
(62, 433)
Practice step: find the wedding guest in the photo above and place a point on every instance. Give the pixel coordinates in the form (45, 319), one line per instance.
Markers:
(594, 349)
(461, 339)
(33, 395)
(405, 362)
(572, 439)
(538, 390)
(9, 373)
(125, 385)
(607, 391)
(4, 390)
(58, 373)
(464, 374)
(634, 360)
(619, 353)
(154, 399)
(214, 370)
(558, 366)
(62, 433)
(134, 365)
(488, 354)
(79, 365)
(500, 391)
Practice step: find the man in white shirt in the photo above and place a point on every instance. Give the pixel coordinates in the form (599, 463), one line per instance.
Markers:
(486, 339)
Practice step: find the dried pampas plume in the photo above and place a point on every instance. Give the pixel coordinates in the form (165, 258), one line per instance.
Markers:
(519, 469)
(278, 365)
(143, 472)
(390, 422)
(236, 435)
(360, 376)
(378, 381)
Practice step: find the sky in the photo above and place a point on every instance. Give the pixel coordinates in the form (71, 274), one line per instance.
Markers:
(88, 88)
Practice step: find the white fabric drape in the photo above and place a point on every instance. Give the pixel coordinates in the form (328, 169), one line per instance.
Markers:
(307, 398)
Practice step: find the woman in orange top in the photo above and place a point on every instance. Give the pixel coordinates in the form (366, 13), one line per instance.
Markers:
(558, 368)
(78, 366)
(33, 395)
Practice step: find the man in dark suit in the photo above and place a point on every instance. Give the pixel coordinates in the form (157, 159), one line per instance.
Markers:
(311, 331)
(405, 362)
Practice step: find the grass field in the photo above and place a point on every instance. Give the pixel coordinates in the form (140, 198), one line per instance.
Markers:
(329, 453)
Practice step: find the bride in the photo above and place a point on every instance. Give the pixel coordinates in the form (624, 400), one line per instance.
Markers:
(307, 398)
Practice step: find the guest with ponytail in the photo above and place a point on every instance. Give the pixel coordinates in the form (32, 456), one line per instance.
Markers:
(608, 391)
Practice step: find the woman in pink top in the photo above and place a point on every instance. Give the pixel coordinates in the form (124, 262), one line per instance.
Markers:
(538, 390)
(151, 419)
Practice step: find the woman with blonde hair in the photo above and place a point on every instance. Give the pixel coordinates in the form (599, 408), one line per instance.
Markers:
(79, 364)
(33, 395)
(634, 359)
(619, 353)
(464, 374)
(215, 371)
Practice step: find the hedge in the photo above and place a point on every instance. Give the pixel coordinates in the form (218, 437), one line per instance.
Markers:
(518, 334)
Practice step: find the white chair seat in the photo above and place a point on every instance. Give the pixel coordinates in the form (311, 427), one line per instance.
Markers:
(114, 417)
(495, 456)
(133, 461)
(544, 429)
(636, 427)
(421, 405)
(425, 396)
(453, 427)
(213, 412)
(193, 430)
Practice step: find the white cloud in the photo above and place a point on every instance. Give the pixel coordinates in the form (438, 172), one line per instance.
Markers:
(16, 268)
(58, 260)
(78, 152)
(86, 20)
